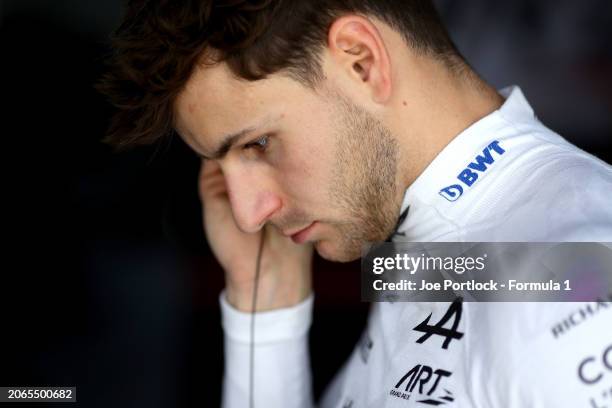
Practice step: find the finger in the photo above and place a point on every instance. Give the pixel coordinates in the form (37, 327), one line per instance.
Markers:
(214, 185)
(209, 168)
(211, 180)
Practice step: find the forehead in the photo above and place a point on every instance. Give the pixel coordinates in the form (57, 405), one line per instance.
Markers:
(214, 103)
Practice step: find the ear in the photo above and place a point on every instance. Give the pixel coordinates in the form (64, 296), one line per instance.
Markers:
(358, 48)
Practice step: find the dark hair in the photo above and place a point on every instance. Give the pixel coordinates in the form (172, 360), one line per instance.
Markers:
(159, 42)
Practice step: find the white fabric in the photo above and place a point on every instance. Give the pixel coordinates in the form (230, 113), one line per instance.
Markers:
(510, 355)
(282, 366)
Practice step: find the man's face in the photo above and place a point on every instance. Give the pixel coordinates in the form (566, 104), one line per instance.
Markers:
(313, 164)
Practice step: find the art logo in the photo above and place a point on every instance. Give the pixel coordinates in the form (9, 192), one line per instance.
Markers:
(470, 174)
(425, 385)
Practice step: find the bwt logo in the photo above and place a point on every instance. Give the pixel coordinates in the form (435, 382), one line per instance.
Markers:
(470, 174)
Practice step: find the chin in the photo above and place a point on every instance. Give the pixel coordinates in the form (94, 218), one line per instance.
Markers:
(334, 252)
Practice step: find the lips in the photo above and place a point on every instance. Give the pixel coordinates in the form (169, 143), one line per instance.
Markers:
(299, 237)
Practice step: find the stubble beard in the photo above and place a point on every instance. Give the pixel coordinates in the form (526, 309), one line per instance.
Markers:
(364, 181)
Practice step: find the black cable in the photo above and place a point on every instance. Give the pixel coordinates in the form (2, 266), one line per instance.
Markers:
(252, 343)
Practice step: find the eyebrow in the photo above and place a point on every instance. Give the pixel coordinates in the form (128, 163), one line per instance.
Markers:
(228, 142)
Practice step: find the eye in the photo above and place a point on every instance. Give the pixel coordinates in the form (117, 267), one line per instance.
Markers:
(260, 143)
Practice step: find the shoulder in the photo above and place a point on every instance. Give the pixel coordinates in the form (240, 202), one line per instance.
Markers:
(549, 190)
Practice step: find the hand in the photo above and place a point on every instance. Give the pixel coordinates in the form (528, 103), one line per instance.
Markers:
(285, 274)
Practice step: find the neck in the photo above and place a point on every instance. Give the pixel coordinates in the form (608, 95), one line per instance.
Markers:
(433, 106)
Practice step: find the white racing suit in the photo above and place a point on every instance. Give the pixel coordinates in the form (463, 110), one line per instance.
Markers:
(505, 178)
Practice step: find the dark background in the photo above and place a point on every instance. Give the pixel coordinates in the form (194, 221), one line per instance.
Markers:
(107, 283)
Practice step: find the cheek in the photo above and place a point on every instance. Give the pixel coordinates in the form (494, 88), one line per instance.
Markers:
(300, 178)
(307, 172)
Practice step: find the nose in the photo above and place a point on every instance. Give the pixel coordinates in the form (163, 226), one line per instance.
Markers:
(253, 199)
